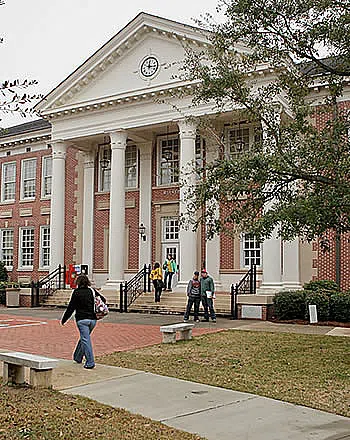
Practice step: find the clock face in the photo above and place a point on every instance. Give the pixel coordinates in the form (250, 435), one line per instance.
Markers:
(149, 66)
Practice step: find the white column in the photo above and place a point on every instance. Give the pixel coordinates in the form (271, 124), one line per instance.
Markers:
(188, 242)
(291, 265)
(88, 210)
(117, 210)
(272, 270)
(57, 215)
(212, 251)
(272, 251)
(145, 203)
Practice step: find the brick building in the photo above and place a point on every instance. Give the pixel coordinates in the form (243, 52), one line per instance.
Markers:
(98, 180)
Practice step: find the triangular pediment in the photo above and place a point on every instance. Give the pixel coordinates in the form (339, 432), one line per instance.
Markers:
(115, 70)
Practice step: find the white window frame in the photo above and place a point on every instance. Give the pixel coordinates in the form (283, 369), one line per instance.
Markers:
(174, 180)
(45, 177)
(23, 179)
(176, 233)
(128, 167)
(44, 247)
(250, 249)
(11, 182)
(20, 253)
(104, 152)
(3, 248)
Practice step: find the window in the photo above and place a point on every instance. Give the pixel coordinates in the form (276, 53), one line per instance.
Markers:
(28, 179)
(170, 229)
(169, 161)
(131, 167)
(8, 190)
(251, 250)
(45, 246)
(26, 251)
(7, 247)
(238, 140)
(46, 182)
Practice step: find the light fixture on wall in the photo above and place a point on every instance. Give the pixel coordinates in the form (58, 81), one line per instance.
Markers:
(142, 231)
(104, 161)
(239, 142)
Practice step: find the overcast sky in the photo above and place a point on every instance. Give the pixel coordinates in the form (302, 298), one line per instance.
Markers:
(47, 40)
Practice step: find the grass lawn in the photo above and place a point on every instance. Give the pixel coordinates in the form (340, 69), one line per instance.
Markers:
(308, 370)
(50, 415)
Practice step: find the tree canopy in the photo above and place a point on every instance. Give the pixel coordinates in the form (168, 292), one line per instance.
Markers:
(265, 64)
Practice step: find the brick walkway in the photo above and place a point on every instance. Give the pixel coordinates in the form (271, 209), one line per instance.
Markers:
(47, 336)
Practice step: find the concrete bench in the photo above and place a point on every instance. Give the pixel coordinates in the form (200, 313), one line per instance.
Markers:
(169, 332)
(40, 368)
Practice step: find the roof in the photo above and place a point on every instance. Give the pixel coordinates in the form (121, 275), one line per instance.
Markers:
(38, 124)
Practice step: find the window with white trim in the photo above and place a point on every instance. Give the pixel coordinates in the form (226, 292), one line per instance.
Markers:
(131, 166)
(44, 246)
(105, 167)
(26, 248)
(28, 179)
(238, 139)
(7, 247)
(46, 180)
(8, 183)
(170, 229)
(251, 250)
(169, 160)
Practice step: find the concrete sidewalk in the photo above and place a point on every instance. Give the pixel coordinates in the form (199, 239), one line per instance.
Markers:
(214, 413)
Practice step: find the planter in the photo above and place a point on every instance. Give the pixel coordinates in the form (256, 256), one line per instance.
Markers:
(12, 297)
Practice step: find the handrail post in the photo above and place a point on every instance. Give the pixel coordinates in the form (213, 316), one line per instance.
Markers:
(59, 276)
(144, 277)
(121, 298)
(149, 279)
(126, 297)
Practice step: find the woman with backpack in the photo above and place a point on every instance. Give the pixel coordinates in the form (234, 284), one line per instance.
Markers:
(157, 278)
(83, 303)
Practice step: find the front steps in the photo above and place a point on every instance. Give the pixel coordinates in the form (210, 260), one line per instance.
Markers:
(170, 303)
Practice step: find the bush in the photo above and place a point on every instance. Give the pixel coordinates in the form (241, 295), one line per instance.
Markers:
(321, 300)
(3, 272)
(340, 307)
(289, 304)
(324, 285)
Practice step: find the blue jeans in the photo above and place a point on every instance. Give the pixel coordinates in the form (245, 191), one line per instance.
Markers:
(208, 303)
(84, 346)
(167, 280)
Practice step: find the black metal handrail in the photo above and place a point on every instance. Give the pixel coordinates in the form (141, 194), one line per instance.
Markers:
(132, 289)
(48, 285)
(246, 286)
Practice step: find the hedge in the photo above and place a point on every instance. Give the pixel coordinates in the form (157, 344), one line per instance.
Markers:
(340, 307)
(321, 300)
(324, 285)
(289, 304)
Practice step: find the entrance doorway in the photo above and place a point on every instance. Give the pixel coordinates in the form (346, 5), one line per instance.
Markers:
(170, 241)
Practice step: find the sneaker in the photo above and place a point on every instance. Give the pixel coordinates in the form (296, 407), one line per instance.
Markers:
(196, 320)
(89, 367)
(185, 320)
(213, 320)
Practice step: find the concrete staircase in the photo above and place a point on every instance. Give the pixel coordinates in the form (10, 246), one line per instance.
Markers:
(170, 303)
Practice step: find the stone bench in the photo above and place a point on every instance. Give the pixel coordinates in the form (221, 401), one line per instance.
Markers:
(169, 332)
(40, 368)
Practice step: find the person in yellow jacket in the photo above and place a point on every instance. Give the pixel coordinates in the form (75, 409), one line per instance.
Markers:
(156, 276)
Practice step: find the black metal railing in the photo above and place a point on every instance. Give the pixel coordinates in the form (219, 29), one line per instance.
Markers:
(48, 285)
(246, 286)
(132, 289)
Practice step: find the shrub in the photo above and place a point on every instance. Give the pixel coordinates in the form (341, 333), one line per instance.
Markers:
(340, 307)
(321, 300)
(3, 272)
(324, 285)
(289, 304)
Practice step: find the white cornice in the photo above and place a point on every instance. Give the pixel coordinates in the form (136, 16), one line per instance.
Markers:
(25, 138)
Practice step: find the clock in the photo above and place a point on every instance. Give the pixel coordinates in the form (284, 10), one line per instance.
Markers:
(149, 66)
